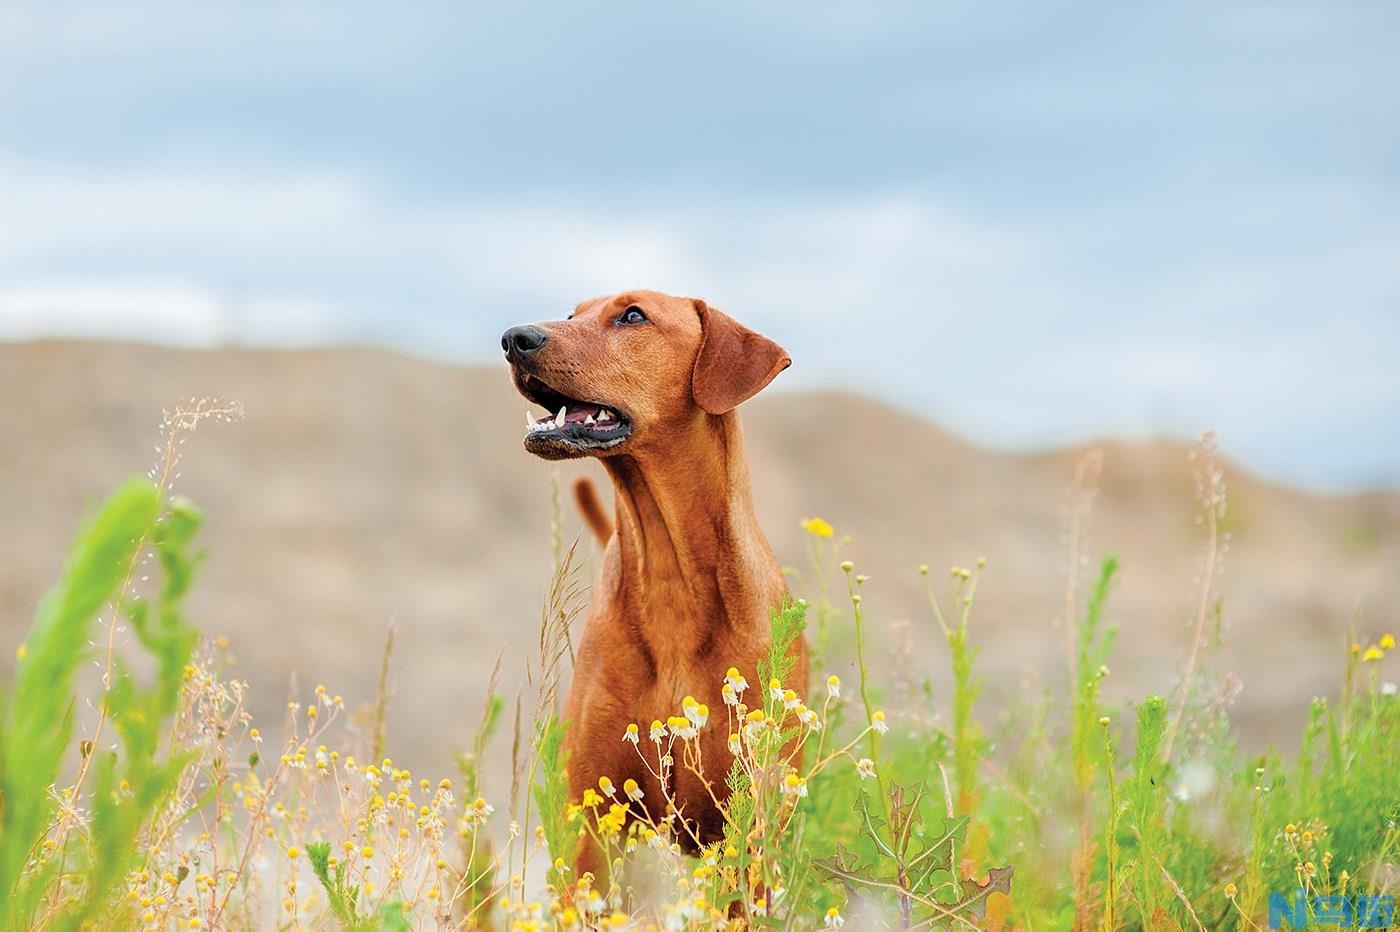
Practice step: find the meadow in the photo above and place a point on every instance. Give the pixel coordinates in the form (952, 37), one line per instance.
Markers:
(1065, 812)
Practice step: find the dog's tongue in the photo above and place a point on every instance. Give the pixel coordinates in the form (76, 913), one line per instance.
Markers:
(581, 411)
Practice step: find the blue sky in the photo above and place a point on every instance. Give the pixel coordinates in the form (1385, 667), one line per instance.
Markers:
(1034, 223)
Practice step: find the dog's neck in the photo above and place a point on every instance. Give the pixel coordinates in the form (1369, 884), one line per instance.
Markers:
(688, 540)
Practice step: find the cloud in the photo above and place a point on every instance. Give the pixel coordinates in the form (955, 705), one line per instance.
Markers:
(166, 312)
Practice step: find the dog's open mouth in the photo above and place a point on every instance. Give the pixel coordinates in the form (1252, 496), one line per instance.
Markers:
(571, 427)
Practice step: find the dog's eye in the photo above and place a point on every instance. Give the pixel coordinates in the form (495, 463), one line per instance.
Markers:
(632, 317)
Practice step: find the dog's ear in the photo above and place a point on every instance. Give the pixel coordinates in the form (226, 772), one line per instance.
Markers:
(734, 362)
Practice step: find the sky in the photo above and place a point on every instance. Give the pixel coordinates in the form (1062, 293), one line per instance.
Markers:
(1033, 223)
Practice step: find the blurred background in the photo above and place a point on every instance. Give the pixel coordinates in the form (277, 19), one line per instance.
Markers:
(991, 239)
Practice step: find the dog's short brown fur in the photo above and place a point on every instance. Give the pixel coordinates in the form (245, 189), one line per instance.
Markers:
(688, 579)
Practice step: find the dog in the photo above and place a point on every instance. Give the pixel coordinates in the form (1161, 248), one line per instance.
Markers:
(648, 383)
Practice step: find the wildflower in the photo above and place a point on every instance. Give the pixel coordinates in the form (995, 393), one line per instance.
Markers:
(632, 789)
(807, 717)
(698, 714)
(775, 689)
(790, 699)
(1388, 688)
(817, 527)
(1290, 829)
(794, 786)
(613, 822)
(479, 811)
(1372, 653)
(255, 735)
(833, 686)
(755, 722)
(658, 731)
(1387, 642)
(292, 853)
(1231, 890)
(631, 734)
(734, 679)
(606, 785)
(877, 722)
(1103, 720)
(728, 694)
(865, 767)
(760, 907)
(735, 747)
(847, 566)
(681, 727)
(833, 919)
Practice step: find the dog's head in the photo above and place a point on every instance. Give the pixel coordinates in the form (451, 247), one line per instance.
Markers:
(626, 370)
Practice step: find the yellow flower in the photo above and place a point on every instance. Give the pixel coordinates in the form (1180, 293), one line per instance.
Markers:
(1387, 642)
(817, 527)
(1231, 890)
(21, 651)
(292, 853)
(1372, 653)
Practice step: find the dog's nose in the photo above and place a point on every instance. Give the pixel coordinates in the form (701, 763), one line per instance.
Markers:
(519, 342)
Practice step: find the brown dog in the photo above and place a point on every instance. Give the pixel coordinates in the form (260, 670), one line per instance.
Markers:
(648, 383)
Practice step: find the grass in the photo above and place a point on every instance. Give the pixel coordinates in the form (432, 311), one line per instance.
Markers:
(172, 813)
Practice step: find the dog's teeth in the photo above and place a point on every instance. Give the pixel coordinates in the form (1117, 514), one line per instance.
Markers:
(559, 418)
(529, 421)
(588, 419)
(604, 414)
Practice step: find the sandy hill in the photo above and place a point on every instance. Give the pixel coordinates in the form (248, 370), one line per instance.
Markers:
(366, 486)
